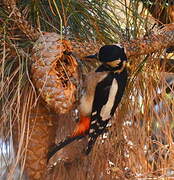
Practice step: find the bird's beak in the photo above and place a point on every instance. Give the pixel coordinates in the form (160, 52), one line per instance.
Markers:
(93, 56)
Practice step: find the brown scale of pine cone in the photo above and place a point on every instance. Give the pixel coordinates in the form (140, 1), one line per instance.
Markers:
(54, 72)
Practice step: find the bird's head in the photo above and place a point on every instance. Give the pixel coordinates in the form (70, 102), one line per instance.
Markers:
(112, 55)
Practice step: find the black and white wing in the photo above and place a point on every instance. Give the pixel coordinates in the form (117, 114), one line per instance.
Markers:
(103, 104)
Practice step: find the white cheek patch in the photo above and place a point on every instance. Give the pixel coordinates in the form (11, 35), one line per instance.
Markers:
(106, 109)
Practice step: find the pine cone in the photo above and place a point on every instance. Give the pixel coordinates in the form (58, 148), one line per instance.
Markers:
(55, 72)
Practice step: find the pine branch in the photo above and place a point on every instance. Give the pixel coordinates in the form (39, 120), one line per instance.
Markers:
(162, 39)
(21, 22)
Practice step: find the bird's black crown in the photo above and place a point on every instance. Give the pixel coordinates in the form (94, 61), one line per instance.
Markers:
(110, 53)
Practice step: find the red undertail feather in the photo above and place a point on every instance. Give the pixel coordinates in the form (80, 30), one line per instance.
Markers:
(82, 127)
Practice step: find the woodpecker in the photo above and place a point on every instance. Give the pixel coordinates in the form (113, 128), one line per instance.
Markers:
(104, 89)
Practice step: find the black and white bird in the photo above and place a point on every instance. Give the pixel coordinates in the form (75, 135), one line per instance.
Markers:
(104, 89)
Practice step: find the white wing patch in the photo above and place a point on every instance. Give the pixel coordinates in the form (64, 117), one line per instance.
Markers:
(106, 109)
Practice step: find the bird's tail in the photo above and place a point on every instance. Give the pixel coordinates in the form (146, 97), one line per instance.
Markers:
(62, 144)
(80, 131)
